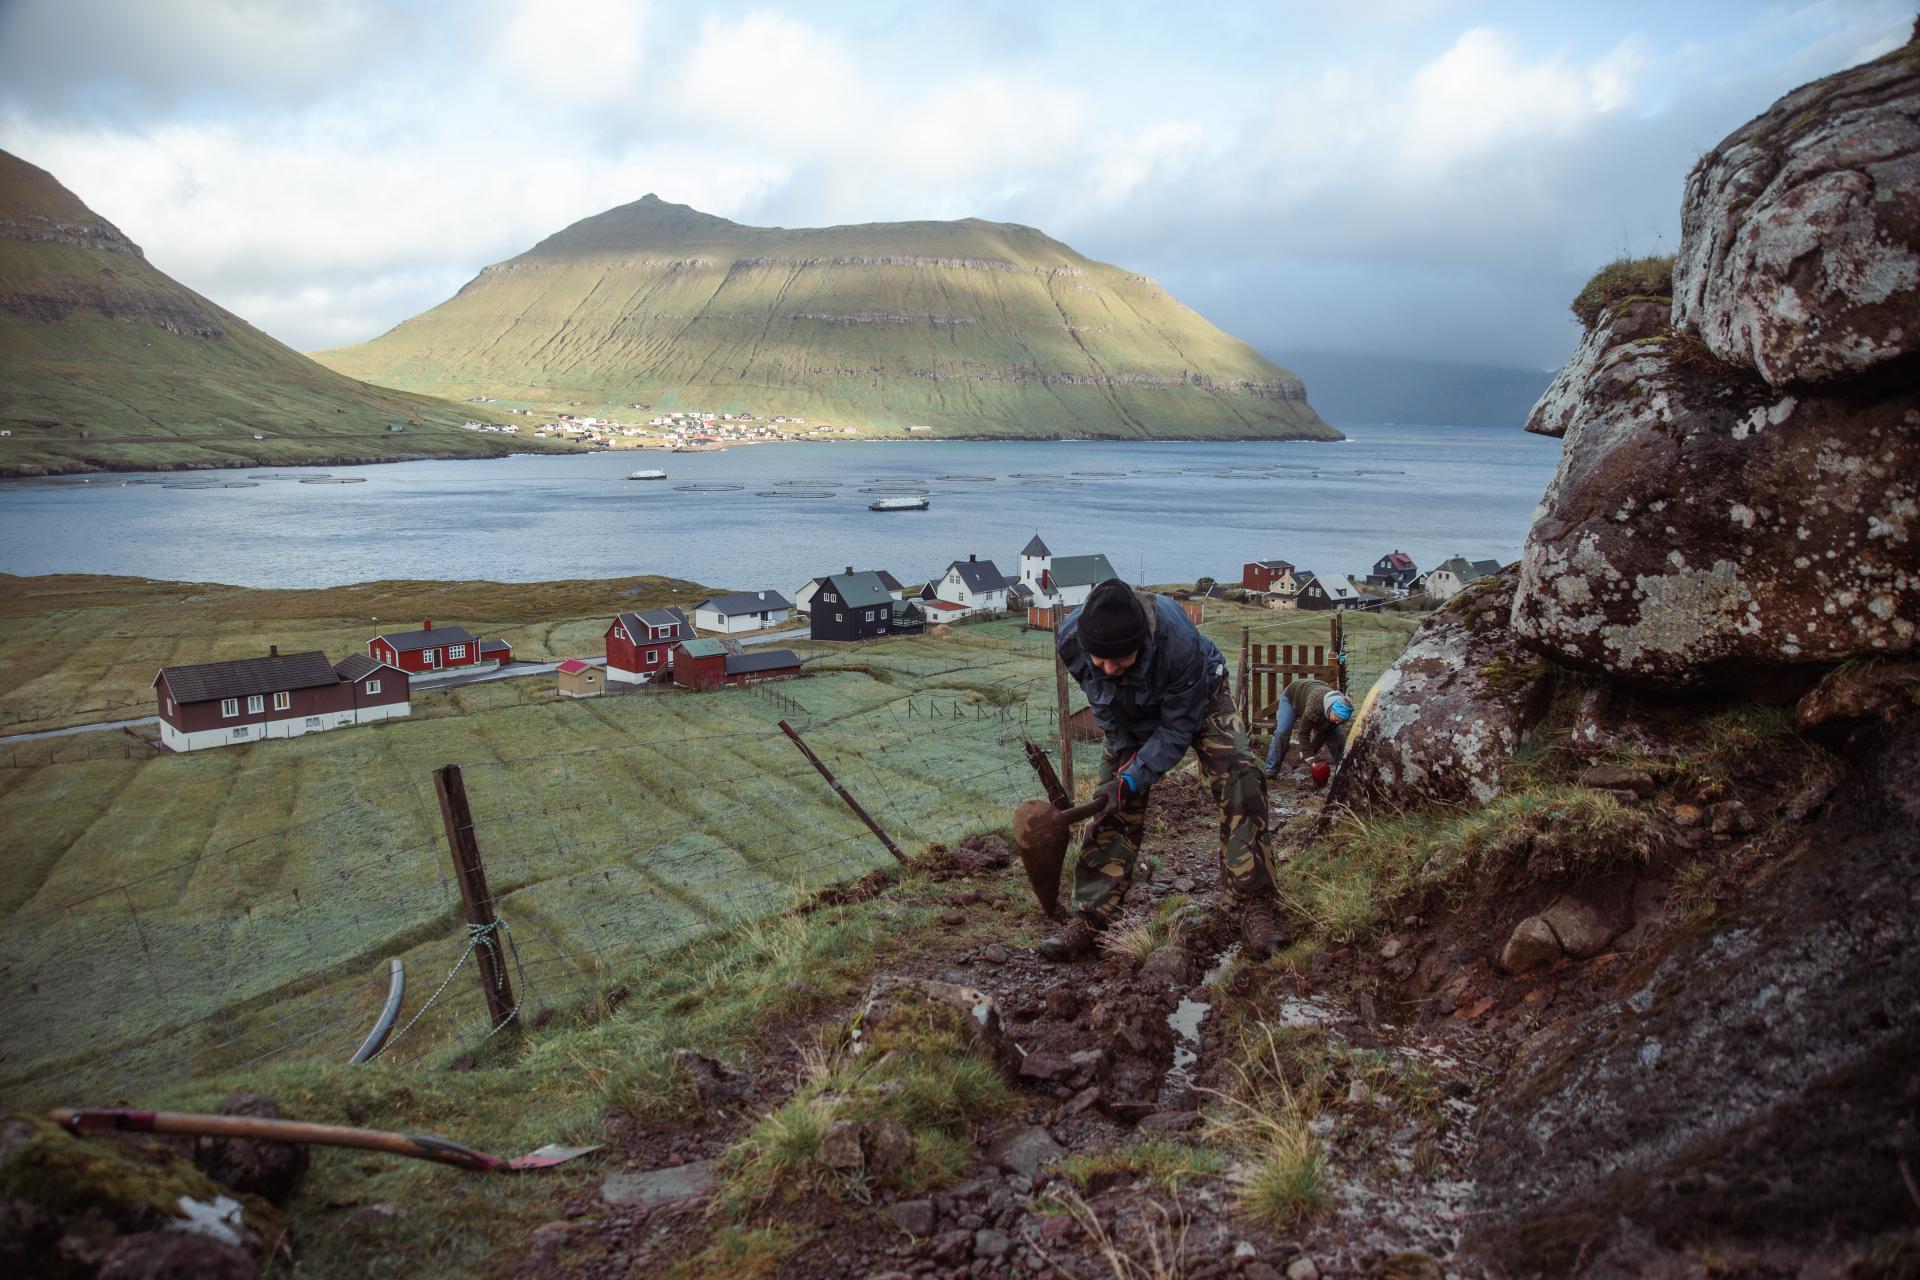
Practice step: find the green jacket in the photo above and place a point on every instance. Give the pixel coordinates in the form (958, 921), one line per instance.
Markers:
(1312, 727)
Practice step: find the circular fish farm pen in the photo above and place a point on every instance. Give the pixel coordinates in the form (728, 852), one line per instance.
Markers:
(968, 479)
(709, 488)
(1040, 475)
(1101, 474)
(218, 484)
(894, 488)
(333, 480)
(805, 484)
(791, 493)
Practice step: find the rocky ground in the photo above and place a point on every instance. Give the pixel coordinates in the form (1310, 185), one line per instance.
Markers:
(1117, 1051)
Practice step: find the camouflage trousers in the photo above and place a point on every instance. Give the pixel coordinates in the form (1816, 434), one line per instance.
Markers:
(1234, 780)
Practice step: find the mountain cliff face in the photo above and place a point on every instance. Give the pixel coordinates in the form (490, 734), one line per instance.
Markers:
(106, 362)
(970, 327)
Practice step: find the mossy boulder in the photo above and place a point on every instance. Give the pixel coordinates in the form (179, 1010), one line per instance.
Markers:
(1800, 233)
(1446, 717)
(76, 1207)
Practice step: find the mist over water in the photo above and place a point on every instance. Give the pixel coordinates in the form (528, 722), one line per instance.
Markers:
(1164, 511)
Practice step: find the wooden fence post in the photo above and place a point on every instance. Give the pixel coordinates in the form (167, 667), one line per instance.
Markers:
(476, 901)
(1340, 648)
(1066, 724)
(844, 794)
(1240, 694)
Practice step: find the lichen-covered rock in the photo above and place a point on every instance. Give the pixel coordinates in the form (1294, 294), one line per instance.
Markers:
(1755, 1084)
(73, 1206)
(1700, 521)
(1589, 373)
(1800, 233)
(1445, 717)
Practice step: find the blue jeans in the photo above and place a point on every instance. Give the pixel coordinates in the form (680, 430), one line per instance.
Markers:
(1282, 730)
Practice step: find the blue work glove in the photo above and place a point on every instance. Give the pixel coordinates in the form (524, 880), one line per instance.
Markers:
(1118, 791)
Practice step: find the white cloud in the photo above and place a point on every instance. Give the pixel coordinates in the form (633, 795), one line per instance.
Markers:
(329, 167)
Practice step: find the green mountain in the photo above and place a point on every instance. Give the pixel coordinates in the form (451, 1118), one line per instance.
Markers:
(972, 328)
(107, 363)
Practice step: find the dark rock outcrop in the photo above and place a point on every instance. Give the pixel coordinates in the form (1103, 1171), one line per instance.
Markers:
(1740, 490)
(1449, 713)
(1756, 1083)
(1700, 521)
(1590, 373)
(1800, 234)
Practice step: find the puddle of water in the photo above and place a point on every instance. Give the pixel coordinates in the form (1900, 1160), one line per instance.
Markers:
(1186, 1021)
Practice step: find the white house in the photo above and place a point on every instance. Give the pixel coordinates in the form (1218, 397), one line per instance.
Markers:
(976, 585)
(1445, 581)
(742, 611)
(1064, 581)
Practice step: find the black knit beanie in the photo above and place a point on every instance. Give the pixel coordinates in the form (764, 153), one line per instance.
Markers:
(1112, 623)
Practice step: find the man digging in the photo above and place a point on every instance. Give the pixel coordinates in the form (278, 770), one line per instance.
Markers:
(1157, 687)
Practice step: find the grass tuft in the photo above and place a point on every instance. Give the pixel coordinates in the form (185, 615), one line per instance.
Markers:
(1166, 927)
(1619, 280)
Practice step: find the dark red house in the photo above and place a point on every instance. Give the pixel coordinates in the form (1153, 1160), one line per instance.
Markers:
(1260, 575)
(215, 704)
(640, 645)
(432, 650)
(699, 664)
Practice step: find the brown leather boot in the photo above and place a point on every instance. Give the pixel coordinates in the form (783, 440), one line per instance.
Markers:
(1072, 942)
(1261, 930)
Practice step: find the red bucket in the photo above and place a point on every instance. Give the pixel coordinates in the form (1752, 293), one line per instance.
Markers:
(1321, 772)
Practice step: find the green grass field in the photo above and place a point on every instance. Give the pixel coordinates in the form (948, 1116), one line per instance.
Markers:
(170, 916)
(77, 649)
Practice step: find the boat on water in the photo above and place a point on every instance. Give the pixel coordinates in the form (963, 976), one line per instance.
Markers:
(897, 504)
(649, 473)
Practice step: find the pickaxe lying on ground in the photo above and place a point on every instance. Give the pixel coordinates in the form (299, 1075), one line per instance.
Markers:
(419, 1146)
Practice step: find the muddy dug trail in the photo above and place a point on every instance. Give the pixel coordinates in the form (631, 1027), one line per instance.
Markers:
(1167, 1108)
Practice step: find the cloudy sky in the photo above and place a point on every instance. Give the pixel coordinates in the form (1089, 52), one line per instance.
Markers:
(1411, 177)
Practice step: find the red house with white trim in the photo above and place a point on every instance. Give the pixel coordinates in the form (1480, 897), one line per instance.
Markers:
(218, 704)
(640, 645)
(433, 651)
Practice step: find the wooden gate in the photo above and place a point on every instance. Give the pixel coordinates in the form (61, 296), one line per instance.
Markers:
(1267, 670)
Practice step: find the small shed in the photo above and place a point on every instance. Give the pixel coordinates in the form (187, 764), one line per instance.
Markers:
(578, 678)
(699, 664)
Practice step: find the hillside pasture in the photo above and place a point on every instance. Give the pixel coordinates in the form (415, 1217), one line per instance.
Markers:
(171, 916)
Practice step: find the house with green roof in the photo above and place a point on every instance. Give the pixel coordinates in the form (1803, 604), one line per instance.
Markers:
(1063, 581)
(851, 606)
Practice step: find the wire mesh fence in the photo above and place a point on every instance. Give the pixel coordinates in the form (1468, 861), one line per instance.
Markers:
(598, 858)
(617, 831)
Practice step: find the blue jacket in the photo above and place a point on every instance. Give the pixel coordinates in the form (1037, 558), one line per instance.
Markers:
(1157, 705)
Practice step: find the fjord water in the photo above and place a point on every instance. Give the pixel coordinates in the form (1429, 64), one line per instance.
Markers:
(1163, 511)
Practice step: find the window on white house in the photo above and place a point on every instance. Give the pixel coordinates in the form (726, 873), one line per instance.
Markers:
(256, 703)
(456, 651)
(373, 686)
(282, 701)
(229, 706)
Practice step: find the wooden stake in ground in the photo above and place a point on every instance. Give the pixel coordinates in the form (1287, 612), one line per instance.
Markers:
(844, 794)
(1066, 725)
(1240, 695)
(476, 900)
